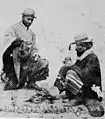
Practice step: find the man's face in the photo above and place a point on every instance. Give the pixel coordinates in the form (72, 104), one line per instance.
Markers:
(80, 48)
(27, 20)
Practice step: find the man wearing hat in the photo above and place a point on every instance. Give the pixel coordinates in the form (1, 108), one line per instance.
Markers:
(21, 61)
(83, 79)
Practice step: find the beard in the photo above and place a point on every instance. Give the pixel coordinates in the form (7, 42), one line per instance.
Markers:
(79, 53)
(26, 24)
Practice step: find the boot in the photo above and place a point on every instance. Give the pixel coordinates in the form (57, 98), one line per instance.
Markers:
(11, 82)
(9, 86)
(94, 107)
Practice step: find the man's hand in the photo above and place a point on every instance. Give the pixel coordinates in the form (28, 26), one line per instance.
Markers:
(97, 90)
(36, 57)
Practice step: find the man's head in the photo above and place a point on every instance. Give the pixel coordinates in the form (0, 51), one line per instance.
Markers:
(28, 16)
(83, 43)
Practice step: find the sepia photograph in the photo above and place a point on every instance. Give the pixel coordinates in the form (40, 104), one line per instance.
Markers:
(52, 59)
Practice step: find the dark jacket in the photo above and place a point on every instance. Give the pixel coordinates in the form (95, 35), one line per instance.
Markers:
(8, 66)
(88, 70)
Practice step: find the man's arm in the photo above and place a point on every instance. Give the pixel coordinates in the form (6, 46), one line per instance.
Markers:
(9, 37)
(34, 42)
(91, 66)
(34, 51)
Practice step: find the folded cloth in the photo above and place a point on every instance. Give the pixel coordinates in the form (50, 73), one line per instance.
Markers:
(73, 82)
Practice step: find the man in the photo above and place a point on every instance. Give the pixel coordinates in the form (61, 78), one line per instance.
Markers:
(24, 65)
(83, 79)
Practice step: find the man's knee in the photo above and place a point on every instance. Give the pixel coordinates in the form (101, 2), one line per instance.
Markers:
(94, 107)
(73, 82)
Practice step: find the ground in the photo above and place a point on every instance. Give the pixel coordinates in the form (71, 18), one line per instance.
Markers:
(13, 104)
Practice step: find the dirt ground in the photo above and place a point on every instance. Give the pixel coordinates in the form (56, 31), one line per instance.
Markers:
(14, 104)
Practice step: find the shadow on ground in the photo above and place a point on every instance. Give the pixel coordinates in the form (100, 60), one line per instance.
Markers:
(15, 104)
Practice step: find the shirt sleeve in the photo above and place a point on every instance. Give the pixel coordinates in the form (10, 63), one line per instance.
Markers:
(34, 48)
(34, 41)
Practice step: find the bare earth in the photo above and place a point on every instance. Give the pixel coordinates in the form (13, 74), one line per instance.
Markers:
(13, 104)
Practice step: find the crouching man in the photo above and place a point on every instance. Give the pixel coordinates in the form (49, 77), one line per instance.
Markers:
(21, 62)
(82, 80)
(32, 68)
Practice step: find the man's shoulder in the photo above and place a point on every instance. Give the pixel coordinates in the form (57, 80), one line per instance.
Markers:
(16, 25)
(13, 26)
(93, 55)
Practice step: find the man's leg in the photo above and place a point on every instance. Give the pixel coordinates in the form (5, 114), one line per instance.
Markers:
(94, 107)
(17, 64)
(73, 86)
(38, 72)
(92, 102)
(9, 76)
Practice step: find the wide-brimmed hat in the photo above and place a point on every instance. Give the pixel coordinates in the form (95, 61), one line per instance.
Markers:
(81, 38)
(29, 12)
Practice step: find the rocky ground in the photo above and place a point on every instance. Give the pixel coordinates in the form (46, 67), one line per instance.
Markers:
(17, 104)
